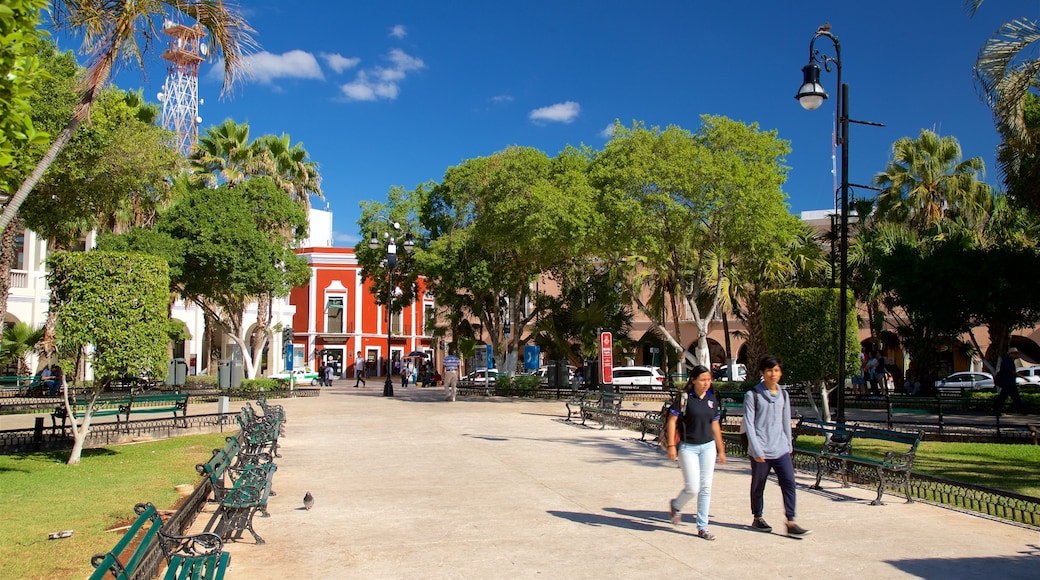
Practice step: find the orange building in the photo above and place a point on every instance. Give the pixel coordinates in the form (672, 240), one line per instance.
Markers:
(337, 317)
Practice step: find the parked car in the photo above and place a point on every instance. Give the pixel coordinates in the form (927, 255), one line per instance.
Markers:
(639, 378)
(958, 383)
(1031, 374)
(543, 375)
(480, 377)
(301, 376)
(723, 373)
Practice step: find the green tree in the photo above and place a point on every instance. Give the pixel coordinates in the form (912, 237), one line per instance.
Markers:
(114, 33)
(488, 229)
(225, 246)
(19, 340)
(680, 207)
(118, 304)
(223, 155)
(926, 182)
(19, 70)
(798, 326)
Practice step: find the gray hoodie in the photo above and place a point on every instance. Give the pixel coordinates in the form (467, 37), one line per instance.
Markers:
(769, 426)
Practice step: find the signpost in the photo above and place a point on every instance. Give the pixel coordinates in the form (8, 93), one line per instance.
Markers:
(606, 359)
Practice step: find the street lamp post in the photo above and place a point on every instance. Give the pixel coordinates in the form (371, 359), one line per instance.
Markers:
(391, 263)
(811, 96)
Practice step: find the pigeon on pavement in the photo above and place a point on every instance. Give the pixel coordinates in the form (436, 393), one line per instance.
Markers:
(308, 501)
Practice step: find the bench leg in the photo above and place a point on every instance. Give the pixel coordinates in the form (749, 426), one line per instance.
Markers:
(880, 486)
(819, 473)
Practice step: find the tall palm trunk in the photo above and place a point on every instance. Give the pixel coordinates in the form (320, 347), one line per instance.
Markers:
(6, 264)
(81, 112)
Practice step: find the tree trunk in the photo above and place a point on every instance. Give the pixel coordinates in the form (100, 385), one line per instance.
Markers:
(11, 209)
(6, 264)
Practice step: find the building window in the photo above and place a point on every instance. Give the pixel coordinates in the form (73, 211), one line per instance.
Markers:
(19, 252)
(396, 319)
(334, 314)
(429, 320)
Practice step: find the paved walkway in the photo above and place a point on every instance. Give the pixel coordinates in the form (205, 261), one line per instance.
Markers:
(414, 487)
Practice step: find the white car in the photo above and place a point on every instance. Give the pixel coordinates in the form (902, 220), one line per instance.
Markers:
(480, 377)
(958, 383)
(300, 376)
(1031, 374)
(639, 378)
(543, 374)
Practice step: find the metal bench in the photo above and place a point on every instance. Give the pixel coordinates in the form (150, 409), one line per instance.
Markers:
(122, 407)
(603, 408)
(194, 556)
(889, 467)
(241, 483)
(574, 403)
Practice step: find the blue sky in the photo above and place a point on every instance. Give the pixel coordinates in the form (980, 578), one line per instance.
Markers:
(392, 93)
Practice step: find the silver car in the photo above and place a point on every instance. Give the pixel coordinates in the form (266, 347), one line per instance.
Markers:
(958, 383)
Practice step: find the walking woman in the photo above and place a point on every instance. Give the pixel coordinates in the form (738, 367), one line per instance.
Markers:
(693, 436)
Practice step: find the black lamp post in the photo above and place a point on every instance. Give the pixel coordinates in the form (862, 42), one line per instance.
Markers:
(391, 263)
(811, 96)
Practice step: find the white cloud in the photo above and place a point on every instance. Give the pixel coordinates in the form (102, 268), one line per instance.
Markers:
(340, 63)
(266, 67)
(607, 131)
(559, 113)
(398, 31)
(382, 82)
(345, 239)
(501, 99)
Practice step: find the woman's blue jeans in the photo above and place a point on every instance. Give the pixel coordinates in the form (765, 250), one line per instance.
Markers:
(697, 463)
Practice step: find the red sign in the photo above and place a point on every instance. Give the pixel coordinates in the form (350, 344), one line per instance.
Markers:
(606, 358)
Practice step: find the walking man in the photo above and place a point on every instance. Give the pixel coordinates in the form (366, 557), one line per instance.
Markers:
(767, 420)
(1006, 381)
(451, 376)
(359, 370)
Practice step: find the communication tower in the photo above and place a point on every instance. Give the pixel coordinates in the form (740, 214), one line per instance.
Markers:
(180, 93)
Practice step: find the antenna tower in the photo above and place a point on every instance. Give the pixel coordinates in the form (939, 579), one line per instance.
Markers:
(180, 93)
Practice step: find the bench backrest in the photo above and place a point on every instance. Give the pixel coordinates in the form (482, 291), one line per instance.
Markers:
(123, 560)
(222, 458)
(159, 399)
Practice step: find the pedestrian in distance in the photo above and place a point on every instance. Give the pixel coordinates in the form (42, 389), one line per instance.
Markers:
(359, 370)
(767, 421)
(1006, 381)
(692, 436)
(451, 375)
(326, 375)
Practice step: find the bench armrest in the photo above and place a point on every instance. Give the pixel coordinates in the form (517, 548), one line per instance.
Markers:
(202, 544)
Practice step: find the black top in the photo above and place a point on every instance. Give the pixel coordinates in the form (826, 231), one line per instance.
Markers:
(696, 422)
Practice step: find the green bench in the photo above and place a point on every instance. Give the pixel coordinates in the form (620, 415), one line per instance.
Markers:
(889, 463)
(199, 556)
(122, 407)
(20, 385)
(651, 422)
(260, 432)
(241, 484)
(603, 408)
(574, 403)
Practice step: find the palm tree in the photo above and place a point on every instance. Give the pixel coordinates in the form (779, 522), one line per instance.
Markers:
(1007, 72)
(19, 341)
(288, 165)
(926, 183)
(223, 155)
(1007, 68)
(113, 34)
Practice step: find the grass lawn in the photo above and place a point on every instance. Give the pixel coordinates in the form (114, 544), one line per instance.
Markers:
(39, 494)
(999, 466)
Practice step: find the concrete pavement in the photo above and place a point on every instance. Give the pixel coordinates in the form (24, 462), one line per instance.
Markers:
(415, 487)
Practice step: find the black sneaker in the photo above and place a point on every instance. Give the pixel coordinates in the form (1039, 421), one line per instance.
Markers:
(794, 529)
(760, 525)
